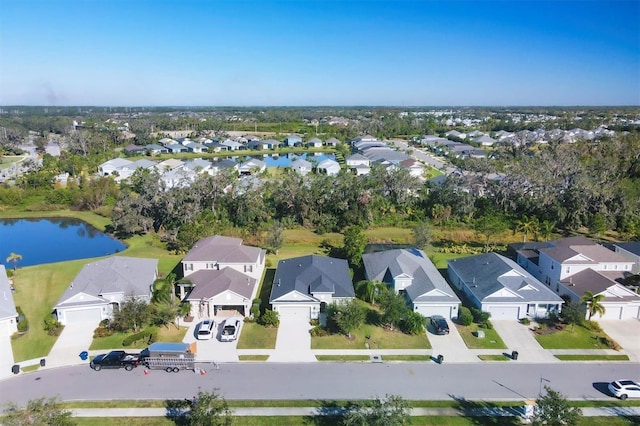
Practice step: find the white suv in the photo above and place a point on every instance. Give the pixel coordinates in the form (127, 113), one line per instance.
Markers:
(206, 329)
(624, 389)
(230, 329)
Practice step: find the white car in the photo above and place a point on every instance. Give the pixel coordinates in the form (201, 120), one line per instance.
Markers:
(230, 329)
(624, 389)
(206, 329)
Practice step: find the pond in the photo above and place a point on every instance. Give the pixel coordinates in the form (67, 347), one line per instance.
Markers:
(53, 240)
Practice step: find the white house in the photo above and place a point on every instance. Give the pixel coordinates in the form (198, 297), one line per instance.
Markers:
(101, 286)
(329, 167)
(219, 290)
(301, 166)
(8, 313)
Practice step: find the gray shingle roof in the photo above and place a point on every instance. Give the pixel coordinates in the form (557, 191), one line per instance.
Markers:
(488, 273)
(117, 274)
(312, 274)
(213, 282)
(412, 262)
(223, 250)
(7, 306)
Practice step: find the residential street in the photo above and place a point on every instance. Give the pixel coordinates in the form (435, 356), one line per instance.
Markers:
(421, 381)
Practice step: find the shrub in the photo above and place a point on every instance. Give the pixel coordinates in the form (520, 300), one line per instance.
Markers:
(479, 316)
(255, 312)
(102, 332)
(23, 323)
(525, 321)
(130, 339)
(487, 325)
(612, 344)
(318, 331)
(269, 319)
(52, 326)
(464, 316)
(592, 326)
(104, 323)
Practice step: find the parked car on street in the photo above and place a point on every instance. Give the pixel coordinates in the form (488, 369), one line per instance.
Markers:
(624, 389)
(439, 324)
(115, 359)
(230, 329)
(206, 329)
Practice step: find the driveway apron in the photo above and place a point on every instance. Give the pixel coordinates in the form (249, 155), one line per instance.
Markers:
(626, 333)
(293, 343)
(74, 339)
(518, 337)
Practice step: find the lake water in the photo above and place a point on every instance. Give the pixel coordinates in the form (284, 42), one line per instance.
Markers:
(53, 240)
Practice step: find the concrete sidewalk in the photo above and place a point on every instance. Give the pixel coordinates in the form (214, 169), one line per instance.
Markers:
(336, 411)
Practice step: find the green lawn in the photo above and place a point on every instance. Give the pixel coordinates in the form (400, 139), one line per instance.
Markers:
(379, 339)
(578, 338)
(256, 336)
(593, 357)
(491, 338)
(343, 358)
(497, 357)
(406, 357)
(253, 357)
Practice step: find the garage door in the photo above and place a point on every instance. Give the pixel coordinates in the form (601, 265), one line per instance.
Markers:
(82, 315)
(631, 312)
(301, 312)
(612, 312)
(428, 311)
(503, 312)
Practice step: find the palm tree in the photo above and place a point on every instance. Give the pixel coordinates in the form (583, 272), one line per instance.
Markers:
(526, 225)
(14, 257)
(593, 303)
(546, 229)
(368, 290)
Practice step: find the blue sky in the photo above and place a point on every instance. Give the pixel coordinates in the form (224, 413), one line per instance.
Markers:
(272, 53)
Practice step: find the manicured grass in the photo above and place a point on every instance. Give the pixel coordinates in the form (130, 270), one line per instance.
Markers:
(593, 357)
(406, 357)
(578, 338)
(253, 357)
(30, 368)
(256, 336)
(499, 357)
(344, 358)
(164, 334)
(491, 338)
(379, 339)
(129, 421)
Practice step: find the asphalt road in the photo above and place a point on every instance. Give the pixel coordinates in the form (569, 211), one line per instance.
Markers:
(320, 381)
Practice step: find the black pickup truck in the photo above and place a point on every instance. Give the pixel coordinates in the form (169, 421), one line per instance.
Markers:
(115, 359)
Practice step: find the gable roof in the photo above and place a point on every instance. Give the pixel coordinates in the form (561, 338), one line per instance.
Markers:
(596, 283)
(312, 274)
(7, 305)
(492, 277)
(415, 264)
(117, 274)
(210, 283)
(223, 250)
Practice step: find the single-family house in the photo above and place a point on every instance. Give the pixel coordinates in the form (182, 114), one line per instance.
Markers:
(219, 290)
(364, 138)
(293, 140)
(272, 143)
(630, 250)
(258, 145)
(180, 177)
(8, 312)
(572, 266)
(411, 272)
(314, 143)
(485, 140)
(169, 164)
(301, 166)
(252, 166)
(224, 164)
(232, 145)
(331, 142)
(218, 252)
(195, 147)
(102, 286)
(415, 167)
(176, 148)
(357, 159)
(498, 285)
(111, 167)
(199, 165)
(456, 134)
(328, 167)
(154, 149)
(132, 149)
(303, 286)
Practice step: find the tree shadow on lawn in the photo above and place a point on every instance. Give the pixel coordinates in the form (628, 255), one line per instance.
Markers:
(329, 413)
(491, 414)
(373, 317)
(177, 411)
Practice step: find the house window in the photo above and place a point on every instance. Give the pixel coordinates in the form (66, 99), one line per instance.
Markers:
(568, 269)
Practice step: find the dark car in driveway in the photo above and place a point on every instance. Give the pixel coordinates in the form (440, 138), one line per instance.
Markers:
(439, 324)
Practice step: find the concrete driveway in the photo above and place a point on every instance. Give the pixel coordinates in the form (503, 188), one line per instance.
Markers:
(451, 345)
(293, 343)
(518, 337)
(213, 350)
(626, 333)
(74, 339)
